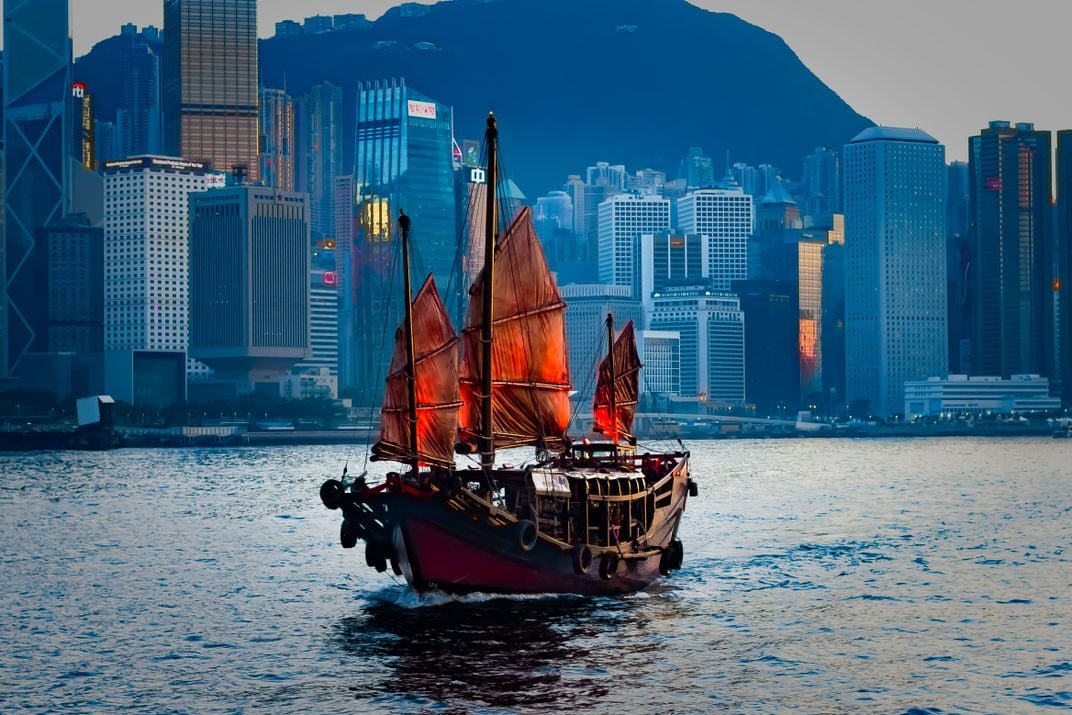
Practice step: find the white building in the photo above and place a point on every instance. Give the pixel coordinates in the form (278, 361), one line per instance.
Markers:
(660, 353)
(711, 332)
(146, 254)
(895, 287)
(963, 394)
(587, 307)
(727, 217)
(323, 361)
(622, 220)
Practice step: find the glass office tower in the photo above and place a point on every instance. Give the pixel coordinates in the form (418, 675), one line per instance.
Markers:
(403, 160)
(37, 86)
(210, 82)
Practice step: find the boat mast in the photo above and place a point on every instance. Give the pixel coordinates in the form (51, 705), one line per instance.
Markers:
(487, 437)
(411, 358)
(613, 379)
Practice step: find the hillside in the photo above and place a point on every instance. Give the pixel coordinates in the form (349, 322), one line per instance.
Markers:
(574, 81)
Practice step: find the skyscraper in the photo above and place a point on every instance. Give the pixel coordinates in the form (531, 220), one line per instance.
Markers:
(822, 187)
(895, 294)
(249, 285)
(404, 160)
(138, 120)
(1012, 256)
(587, 307)
(726, 217)
(321, 132)
(697, 170)
(958, 265)
(37, 84)
(75, 292)
(146, 264)
(277, 139)
(1064, 258)
(712, 329)
(210, 82)
(623, 219)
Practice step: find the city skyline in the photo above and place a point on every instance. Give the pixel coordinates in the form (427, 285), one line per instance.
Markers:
(950, 84)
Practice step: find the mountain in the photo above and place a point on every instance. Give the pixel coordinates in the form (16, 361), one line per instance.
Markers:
(635, 82)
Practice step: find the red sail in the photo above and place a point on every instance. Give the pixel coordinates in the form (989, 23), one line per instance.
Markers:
(436, 360)
(530, 372)
(626, 387)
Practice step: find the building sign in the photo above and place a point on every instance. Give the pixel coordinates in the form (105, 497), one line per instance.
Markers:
(154, 162)
(478, 176)
(78, 90)
(329, 278)
(423, 110)
(470, 152)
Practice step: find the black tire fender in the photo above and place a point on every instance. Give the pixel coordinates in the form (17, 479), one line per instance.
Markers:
(582, 558)
(677, 554)
(348, 534)
(665, 559)
(331, 493)
(694, 489)
(608, 565)
(526, 535)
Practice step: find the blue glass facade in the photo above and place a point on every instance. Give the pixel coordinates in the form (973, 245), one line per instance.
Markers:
(37, 84)
(403, 160)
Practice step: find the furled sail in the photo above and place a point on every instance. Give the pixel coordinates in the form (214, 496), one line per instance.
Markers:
(618, 426)
(530, 368)
(436, 369)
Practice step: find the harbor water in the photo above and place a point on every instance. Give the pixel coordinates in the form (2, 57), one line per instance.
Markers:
(820, 576)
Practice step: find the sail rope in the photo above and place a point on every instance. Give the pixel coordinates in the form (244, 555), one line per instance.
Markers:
(593, 360)
(380, 351)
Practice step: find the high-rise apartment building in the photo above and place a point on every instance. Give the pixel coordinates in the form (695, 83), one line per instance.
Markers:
(277, 143)
(210, 83)
(895, 293)
(587, 307)
(727, 218)
(1012, 252)
(660, 353)
(318, 375)
(712, 332)
(822, 187)
(623, 219)
(37, 87)
(249, 285)
(321, 137)
(138, 120)
(147, 270)
(698, 170)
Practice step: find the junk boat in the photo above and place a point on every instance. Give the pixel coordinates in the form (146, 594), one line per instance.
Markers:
(585, 518)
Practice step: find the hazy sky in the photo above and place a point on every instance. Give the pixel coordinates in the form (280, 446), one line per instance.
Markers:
(946, 66)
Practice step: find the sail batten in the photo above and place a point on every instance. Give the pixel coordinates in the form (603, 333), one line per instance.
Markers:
(626, 388)
(436, 372)
(530, 373)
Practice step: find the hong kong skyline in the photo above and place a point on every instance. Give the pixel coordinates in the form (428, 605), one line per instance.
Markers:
(948, 75)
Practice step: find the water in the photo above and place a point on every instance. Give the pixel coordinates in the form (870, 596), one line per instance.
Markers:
(924, 576)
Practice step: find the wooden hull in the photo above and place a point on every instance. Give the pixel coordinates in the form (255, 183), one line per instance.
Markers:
(458, 545)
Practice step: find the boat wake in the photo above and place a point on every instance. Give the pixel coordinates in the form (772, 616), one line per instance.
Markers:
(401, 596)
